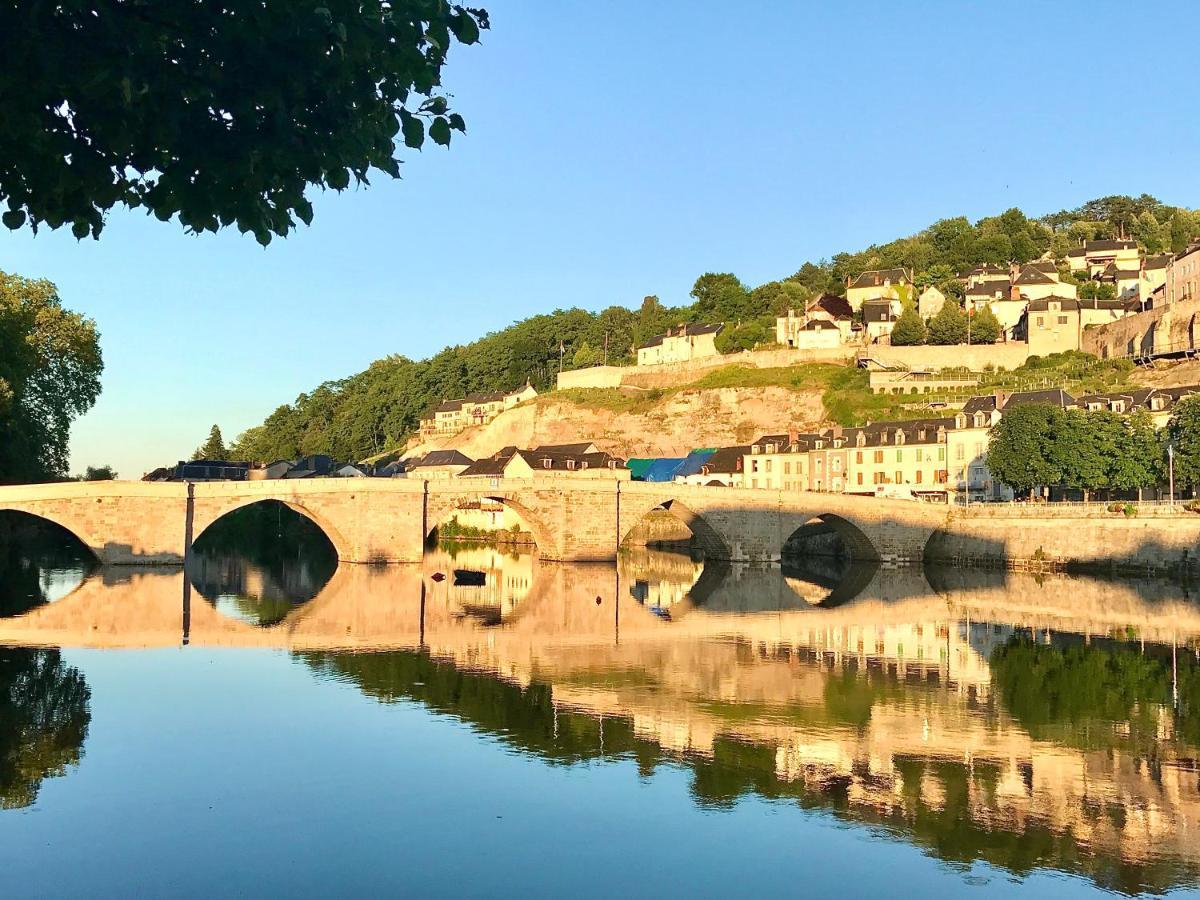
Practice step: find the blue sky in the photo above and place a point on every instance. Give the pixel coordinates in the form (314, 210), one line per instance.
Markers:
(621, 149)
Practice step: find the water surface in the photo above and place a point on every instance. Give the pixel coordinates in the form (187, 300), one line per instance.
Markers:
(487, 723)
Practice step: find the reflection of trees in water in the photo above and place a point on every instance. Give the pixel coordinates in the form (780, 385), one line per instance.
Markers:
(260, 562)
(964, 819)
(1098, 696)
(44, 718)
(39, 562)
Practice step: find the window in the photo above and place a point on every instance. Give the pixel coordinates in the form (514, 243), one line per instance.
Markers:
(753, 482)
(878, 456)
(1062, 320)
(1041, 321)
(860, 477)
(960, 452)
(858, 457)
(899, 477)
(918, 476)
(547, 463)
(770, 448)
(571, 464)
(836, 464)
(899, 456)
(754, 465)
(878, 478)
(941, 454)
(787, 467)
(767, 467)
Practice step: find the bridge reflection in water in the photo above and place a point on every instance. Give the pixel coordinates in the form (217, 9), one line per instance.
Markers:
(1029, 722)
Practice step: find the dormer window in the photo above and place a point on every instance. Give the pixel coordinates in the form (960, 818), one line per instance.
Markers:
(899, 436)
(978, 420)
(960, 421)
(571, 464)
(547, 462)
(1157, 403)
(1118, 406)
(837, 443)
(860, 440)
(921, 434)
(818, 444)
(612, 463)
(770, 448)
(583, 464)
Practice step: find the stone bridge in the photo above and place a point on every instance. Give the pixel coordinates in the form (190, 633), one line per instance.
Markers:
(390, 520)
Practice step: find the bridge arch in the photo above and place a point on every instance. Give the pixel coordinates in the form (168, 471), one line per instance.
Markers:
(335, 537)
(58, 522)
(442, 512)
(835, 535)
(705, 536)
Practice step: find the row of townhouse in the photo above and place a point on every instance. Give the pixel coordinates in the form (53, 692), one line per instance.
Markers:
(935, 458)
(583, 459)
(452, 416)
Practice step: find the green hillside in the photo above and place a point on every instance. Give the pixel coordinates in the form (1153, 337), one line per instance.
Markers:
(377, 409)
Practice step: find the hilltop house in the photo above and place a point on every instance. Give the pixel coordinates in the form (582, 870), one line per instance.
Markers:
(879, 318)
(930, 303)
(984, 273)
(724, 467)
(1038, 281)
(1095, 256)
(1052, 325)
(680, 344)
(1003, 298)
(826, 322)
(452, 416)
(438, 465)
(1182, 275)
(878, 284)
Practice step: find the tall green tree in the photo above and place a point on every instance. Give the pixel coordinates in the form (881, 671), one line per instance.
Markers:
(720, 297)
(1021, 451)
(214, 447)
(213, 115)
(1137, 461)
(908, 329)
(1183, 434)
(775, 298)
(949, 326)
(984, 327)
(50, 365)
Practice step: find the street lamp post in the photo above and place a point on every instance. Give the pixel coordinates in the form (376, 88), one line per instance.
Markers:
(1171, 471)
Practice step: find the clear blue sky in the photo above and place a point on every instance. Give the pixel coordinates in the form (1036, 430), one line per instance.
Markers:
(621, 149)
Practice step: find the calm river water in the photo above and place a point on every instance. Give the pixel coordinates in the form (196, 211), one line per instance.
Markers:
(488, 724)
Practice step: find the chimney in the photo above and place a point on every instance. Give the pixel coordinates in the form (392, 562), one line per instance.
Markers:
(837, 431)
(793, 436)
(1002, 399)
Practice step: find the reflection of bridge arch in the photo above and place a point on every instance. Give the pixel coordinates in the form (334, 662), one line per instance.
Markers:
(706, 537)
(58, 521)
(340, 544)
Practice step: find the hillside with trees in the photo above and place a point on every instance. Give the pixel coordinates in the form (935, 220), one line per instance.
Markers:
(377, 409)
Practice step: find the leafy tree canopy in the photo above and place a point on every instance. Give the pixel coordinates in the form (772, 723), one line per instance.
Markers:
(214, 113)
(214, 447)
(985, 327)
(949, 326)
(909, 329)
(50, 367)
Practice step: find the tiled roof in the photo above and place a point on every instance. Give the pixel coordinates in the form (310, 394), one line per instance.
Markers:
(683, 331)
(838, 307)
(1043, 304)
(877, 277)
(441, 458)
(726, 461)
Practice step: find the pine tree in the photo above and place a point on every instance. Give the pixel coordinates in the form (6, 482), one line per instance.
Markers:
(949, 326)
(909, 329)
(214, 447)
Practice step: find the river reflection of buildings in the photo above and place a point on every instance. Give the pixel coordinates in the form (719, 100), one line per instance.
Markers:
(902, 707)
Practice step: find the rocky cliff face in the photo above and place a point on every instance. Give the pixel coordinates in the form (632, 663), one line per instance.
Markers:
(672, 427)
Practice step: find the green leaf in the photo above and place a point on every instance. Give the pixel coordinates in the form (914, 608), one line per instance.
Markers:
(439, 130)
(464, 28)
(414, 130)
(338, 179)
(81, 230)
(304, 211)
(14, 218)
(457, 123)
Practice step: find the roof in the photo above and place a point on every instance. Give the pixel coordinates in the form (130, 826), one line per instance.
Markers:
(662, 469)
(694, 462)
(1045, 265)
(1102, 246)
(818, 325)
(726, 460)
(878, 277)
(1094, 303)
(1157, 262)
(448, 406)
(1030, 275)
(1056, 397)
(878, 311)
(691, 330)
(838, 307)
(985, 403)
(576, 448)
(441, 458)
(994, 289)
(561, 462)
(1044, 303)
